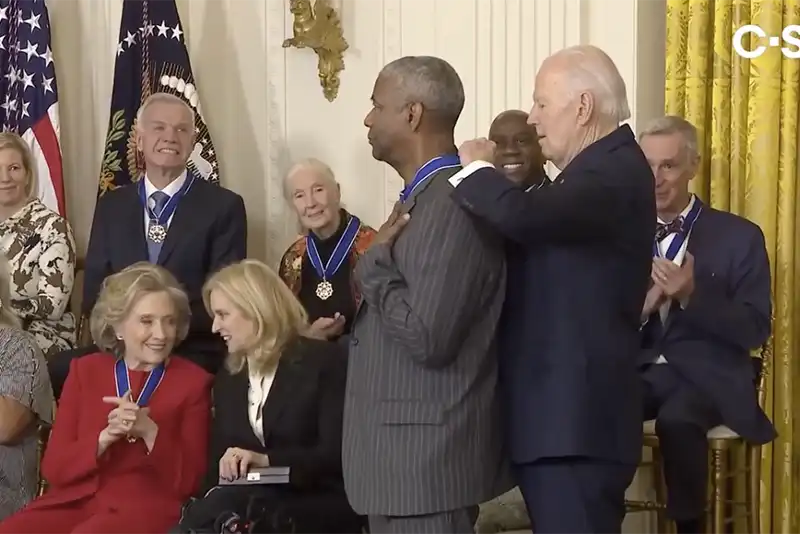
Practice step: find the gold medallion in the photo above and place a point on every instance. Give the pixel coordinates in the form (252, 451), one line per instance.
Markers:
(324, 290)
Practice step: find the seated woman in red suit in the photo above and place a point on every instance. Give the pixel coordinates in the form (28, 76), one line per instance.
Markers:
(278, 402)
(129, 442)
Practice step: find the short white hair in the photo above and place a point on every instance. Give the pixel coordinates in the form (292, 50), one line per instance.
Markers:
(672, 124)
(592, 70)
(161, 98)
(318, 167)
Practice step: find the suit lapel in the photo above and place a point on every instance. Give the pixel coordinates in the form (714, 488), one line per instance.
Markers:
(281, 390)
(132, 210)
(182, 222)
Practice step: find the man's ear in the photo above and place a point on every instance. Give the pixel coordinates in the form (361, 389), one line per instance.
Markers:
(585, 108)
(415, 112)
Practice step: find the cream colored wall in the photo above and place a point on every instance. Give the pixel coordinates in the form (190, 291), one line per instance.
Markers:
(264, 106)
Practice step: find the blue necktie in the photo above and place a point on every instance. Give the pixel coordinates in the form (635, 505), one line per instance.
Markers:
(154, 249)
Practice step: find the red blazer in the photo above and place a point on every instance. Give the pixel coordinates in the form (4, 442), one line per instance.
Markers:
(126, 475)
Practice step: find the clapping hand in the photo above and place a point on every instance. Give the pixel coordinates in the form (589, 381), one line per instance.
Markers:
(676, 282)
(128, 418)
(236, 462)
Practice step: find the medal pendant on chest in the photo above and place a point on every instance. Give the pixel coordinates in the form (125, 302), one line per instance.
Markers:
(324, 290)
(156, 232)
(341, 252)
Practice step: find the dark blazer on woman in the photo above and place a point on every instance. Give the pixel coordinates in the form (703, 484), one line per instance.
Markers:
(302, 419)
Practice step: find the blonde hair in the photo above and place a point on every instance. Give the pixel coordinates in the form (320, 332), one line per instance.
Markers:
(12, 141)
(262, 297)
(119, 294)
(7, 315)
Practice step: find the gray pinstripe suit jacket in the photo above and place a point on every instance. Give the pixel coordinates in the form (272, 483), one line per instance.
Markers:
(421, 424)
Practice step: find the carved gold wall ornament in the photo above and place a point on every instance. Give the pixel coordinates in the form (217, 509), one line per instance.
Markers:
(320, 29)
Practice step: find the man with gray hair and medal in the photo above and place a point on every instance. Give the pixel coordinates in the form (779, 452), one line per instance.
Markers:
(421, 442)
(170, 217)
(569, 341)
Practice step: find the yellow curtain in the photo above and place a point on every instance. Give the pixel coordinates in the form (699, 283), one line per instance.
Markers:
(746, 112)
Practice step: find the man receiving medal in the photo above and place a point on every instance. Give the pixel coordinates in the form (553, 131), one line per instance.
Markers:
(422, 446)
(170, 217)
(318, 266)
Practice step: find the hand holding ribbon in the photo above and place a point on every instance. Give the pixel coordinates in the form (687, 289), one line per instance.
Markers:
(129, 418)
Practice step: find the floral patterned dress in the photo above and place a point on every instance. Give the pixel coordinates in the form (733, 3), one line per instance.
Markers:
(40, 248)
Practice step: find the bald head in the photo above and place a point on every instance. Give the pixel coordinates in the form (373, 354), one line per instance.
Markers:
(518, 153)
(579, 98)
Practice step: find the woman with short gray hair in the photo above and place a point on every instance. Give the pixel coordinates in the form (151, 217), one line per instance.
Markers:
(26, 400)
(132, 428)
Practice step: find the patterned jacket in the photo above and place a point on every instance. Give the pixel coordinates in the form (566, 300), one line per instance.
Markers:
(24, 378)
(292, 261)
(40, 248)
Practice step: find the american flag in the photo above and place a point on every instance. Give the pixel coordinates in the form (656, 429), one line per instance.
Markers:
(28, 93)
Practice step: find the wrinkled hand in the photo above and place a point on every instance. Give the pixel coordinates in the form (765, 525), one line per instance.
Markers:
(327, 327)
(236, 462)
(477, 150)
(676, 282)
(389, 230)
(128, 417)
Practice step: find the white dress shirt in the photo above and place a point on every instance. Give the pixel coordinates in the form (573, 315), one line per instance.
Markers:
(171, 189)
(256, 397)
(663, 247)
(468, 169)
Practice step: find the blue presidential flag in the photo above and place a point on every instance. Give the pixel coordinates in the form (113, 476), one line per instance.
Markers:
(151, 58)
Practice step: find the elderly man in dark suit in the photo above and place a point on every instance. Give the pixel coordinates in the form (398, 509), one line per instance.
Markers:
(709, 306)
(171, 217)
(422, 444)
(570, 334)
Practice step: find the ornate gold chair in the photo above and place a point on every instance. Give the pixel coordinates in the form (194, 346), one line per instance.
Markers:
(734, 473)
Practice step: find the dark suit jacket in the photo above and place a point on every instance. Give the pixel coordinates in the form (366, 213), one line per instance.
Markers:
(302, 424)
(570, 331)
(422, 430)
(208, 231)
(126, 475)
(728, 315)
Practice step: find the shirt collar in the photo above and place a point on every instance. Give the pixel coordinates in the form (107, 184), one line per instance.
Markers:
(173, 187)
(685, 211)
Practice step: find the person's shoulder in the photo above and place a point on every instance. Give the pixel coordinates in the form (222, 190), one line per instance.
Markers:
(737, 226)
(112, 196)
(189, 371)
(297, 248)
(316, 352)
(220, 195)
(93, 362)
(18, 343)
